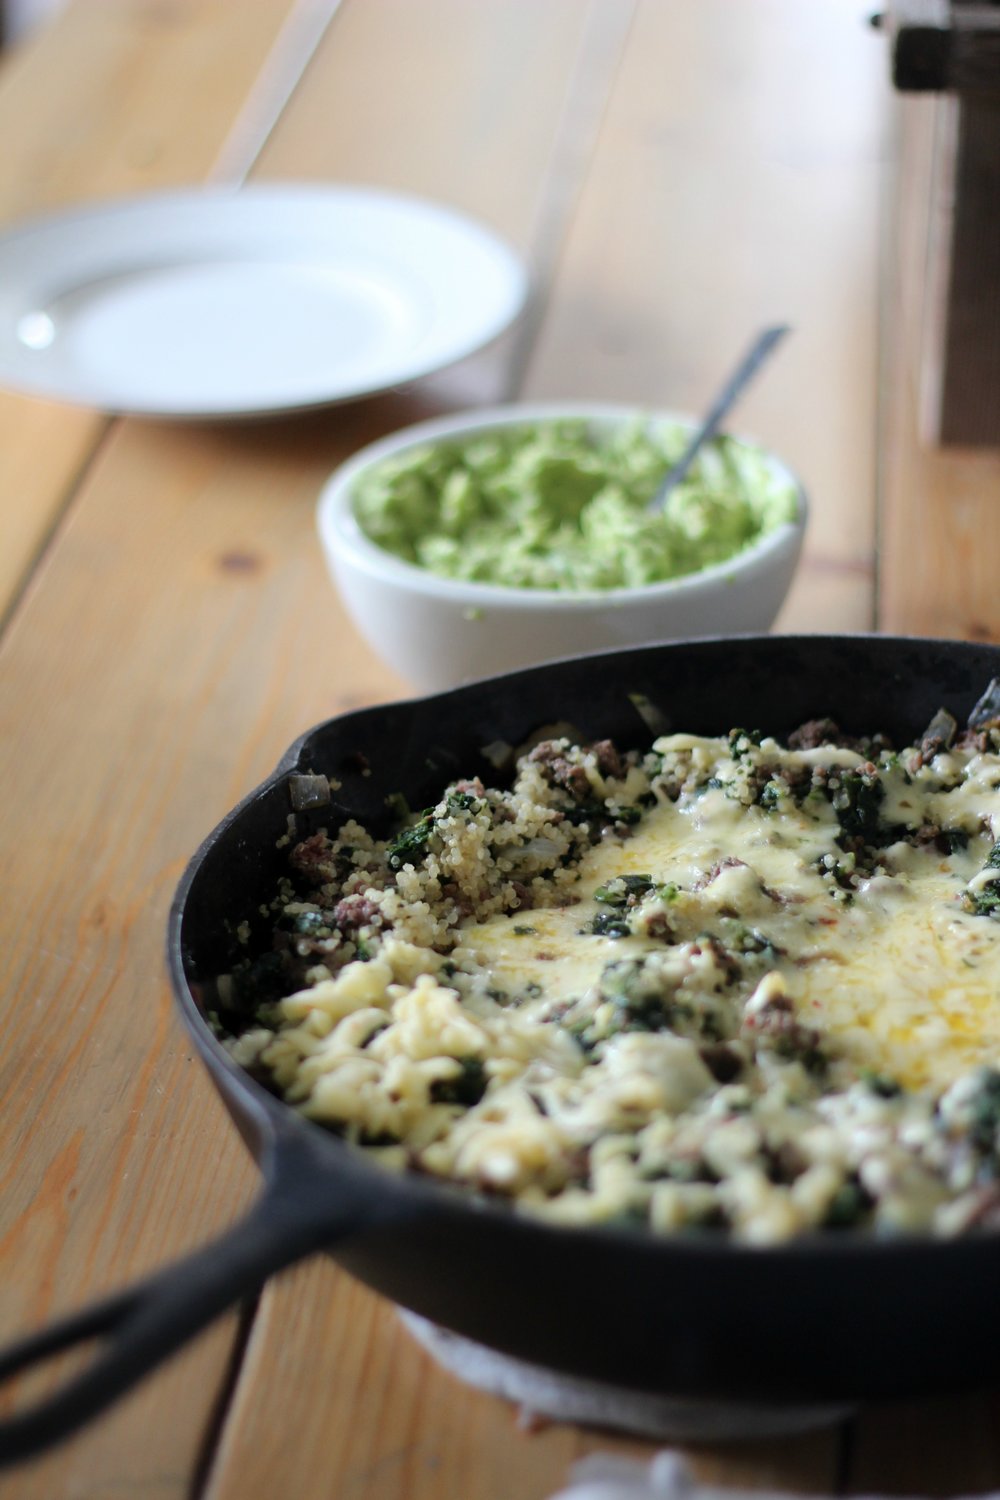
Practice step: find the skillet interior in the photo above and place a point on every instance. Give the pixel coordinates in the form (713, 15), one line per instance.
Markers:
(831, 1317)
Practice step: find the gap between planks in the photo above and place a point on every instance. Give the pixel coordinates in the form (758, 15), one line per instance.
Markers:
(590, 84)
(602, 46)
(293, 51)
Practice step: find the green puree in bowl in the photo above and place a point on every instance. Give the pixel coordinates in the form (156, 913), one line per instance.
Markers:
(559, 505)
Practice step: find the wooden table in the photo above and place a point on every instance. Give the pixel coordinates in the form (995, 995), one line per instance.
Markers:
(675, 176)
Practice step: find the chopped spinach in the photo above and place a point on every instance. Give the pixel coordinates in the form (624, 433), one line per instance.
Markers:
(601, 815)
(857, 802)
(984, 1131)
(641, 1000)
(628, 814)
(624, 890)
(743, 741)
(773, 795)
(985, 902)
(261, 982)
(885, 1088)
(467, 1087)
(609, 924)
(848, 1206)
(410, 846)
(462, 801)
(309, 923)
(750, 940)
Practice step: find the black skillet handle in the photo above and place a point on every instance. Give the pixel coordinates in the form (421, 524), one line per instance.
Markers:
(141, 1326)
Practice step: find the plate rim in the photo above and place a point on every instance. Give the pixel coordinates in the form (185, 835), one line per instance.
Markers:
(513, 281)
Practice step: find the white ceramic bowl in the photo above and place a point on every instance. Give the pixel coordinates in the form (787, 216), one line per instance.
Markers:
(438, 632)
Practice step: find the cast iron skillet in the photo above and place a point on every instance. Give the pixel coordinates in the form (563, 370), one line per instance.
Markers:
(830, 1317)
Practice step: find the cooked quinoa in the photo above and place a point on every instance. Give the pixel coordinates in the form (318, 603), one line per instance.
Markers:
(725, 984)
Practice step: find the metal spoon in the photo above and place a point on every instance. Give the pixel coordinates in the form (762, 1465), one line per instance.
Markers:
(754, 357)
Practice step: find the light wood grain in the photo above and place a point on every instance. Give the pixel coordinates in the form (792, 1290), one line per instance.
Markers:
(442, 124)
(737, 183)
(377, 1419)
(441, 101)
(357, 1446)
(388, 1425)
(88, 1190)
(117, 97)
(116, 758)
(127, 96)
(941, 505)
(179, 631)
(43, 450)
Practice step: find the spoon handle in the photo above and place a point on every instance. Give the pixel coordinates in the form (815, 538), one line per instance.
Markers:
(745, 370)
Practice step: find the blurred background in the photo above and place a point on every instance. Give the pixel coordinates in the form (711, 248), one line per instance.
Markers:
(19, 17)
(673, 174)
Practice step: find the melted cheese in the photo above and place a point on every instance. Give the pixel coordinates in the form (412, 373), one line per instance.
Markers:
(729, 984)
(905, 981)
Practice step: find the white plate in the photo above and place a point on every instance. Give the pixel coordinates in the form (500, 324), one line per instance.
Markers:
(235, 303)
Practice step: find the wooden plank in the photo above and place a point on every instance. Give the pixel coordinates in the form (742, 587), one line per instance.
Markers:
(707, 216)
(440, 125)
(165, 655)
(940, 506)
(390, 1423)
(419, 100)
(444, 67)
(198, 673)
(120, 97)
(43, 449)
(127, 97)
(88, 1189)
